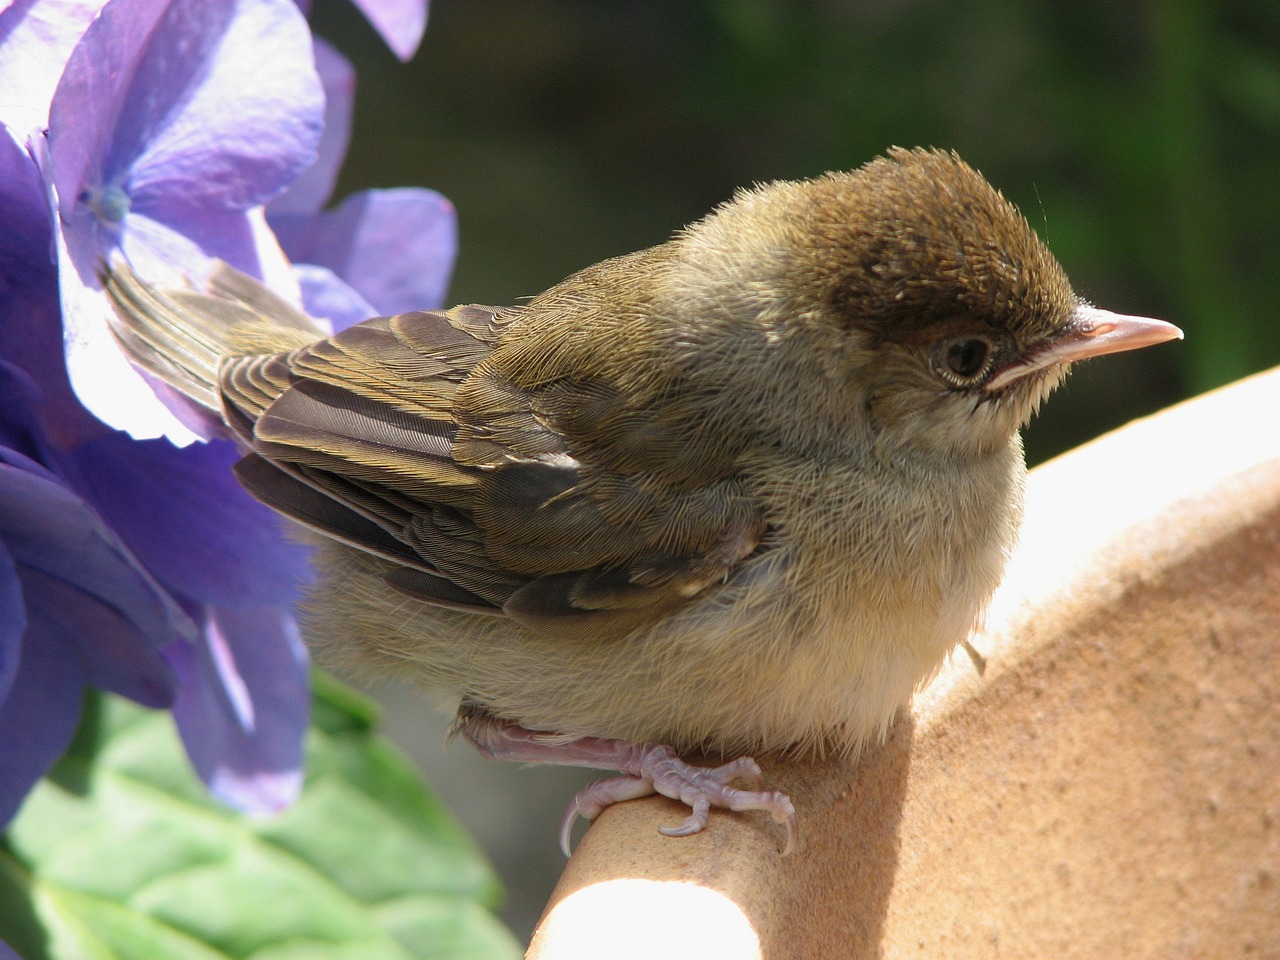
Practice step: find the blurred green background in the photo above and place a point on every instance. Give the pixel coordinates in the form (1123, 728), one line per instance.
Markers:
(1140, 139)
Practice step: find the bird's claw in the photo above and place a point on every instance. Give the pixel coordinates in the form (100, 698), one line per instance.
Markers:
(661, 770)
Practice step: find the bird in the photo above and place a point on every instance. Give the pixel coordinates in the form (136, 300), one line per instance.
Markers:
(741, 491)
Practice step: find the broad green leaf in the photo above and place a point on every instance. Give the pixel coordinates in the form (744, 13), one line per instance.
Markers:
(119, 854)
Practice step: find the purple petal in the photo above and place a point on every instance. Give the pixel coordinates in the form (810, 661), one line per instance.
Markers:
(60, 565)
(49, 529)
(166, 255)
(36, 38)
(103, 380)
(395, 247)
(19, 396)
(326, 297)
(312, 190)
(78, 577)
(40, 715)
(173, 122)
(114, 655)
(7, 952)
(13, 622)
(214, 101)
(30, 325)
(183, 513)
(275, 270)
(242, 706)
(24, 212)
(400, 23)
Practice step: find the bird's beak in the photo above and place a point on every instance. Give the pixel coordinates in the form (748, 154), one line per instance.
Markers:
(1091, 333)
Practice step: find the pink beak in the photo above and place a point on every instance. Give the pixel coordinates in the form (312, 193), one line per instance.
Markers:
(1091, 333)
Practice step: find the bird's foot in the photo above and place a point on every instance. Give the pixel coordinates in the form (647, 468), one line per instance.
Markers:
(658, 769)
(646, 768)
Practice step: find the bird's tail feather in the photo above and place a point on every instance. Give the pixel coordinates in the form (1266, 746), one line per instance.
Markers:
(182, 336)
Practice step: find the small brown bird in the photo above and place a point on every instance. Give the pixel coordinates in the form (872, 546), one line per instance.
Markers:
(740, 491)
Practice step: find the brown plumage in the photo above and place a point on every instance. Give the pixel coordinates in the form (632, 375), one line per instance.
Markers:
(743, 490)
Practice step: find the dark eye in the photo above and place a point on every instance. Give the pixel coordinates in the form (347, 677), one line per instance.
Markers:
(964, 360)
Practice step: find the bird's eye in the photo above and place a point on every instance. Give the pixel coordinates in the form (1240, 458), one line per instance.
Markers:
(964, 360)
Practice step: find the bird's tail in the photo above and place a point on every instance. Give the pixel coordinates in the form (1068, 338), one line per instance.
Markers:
(182, 336)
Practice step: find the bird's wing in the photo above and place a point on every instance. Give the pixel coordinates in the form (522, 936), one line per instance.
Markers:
(396, 438)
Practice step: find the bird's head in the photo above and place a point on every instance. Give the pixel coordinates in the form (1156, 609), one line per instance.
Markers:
(919, 288)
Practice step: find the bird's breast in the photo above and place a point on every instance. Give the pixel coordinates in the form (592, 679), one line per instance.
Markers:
(880, 571)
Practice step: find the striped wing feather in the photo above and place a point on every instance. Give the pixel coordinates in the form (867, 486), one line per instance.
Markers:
(487, 499)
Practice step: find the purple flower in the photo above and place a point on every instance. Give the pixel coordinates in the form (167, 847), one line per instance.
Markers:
(76, 609)
(173, 122)
(130, 559)
(128, 565)
(137, 566)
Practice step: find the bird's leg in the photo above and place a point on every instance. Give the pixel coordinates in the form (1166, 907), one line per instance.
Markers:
(645, 767)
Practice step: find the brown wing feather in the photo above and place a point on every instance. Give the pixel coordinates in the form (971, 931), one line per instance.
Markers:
(397, 436)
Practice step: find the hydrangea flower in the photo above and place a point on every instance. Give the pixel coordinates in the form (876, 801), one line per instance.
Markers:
(129, 561)
(173, 122)
(140, 157)
(77, 607)
(104, 532)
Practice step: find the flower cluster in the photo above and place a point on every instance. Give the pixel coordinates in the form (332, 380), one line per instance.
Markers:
(168, 132)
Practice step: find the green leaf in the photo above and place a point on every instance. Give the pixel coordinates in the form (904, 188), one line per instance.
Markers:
(20, 928)
(120, 854)
(338, 709)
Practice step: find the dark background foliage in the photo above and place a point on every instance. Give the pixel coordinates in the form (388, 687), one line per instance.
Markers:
(1140, 139)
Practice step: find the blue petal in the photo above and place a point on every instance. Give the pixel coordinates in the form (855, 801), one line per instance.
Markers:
(190, 113)
(185, 516)
(312, 189)
(30, 325)
(13, 622)
(50, 530)
(243, 704)
(399, 22)
(113, 654)
(103, 380)
(249, 121)
(36, 37)
(326, 297)
(24, 212)
(395, 247)
(40, 715)
(19, 398)
(215, 101)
